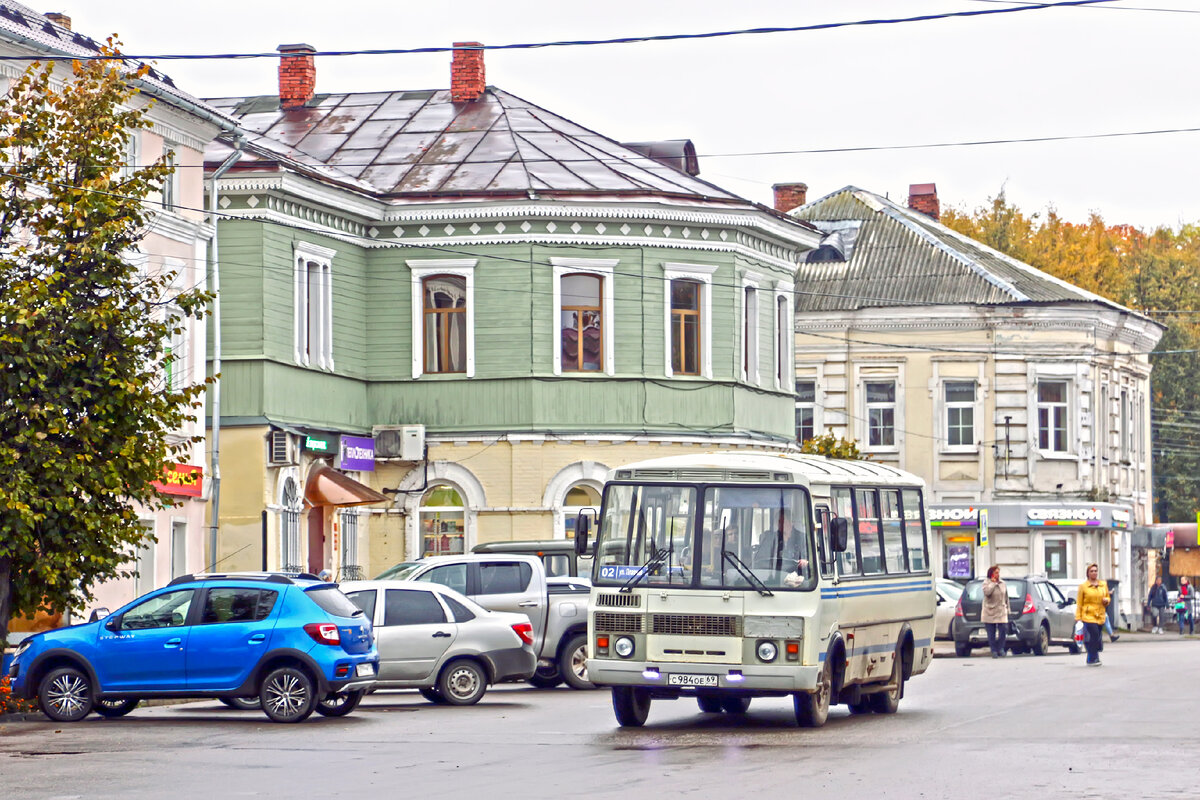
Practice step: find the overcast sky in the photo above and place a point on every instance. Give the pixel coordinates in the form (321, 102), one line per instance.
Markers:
(1067, 71)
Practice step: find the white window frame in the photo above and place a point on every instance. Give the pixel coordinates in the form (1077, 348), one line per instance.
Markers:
(309, 259)
(750, 324)
(1125, 453)
(945, 415)
(179, 546)
(702, 274)
(785, 379)
(424, 268)
(868, 406)
(875, 372)
(1068, 416)
(814, 406)
(1066, 567)
(169, 193)
(601, 267)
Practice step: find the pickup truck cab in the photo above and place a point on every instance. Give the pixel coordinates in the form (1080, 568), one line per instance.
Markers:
(518, 583)
(558, 555)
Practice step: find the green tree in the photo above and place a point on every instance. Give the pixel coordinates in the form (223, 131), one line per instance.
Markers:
(832, 446)
(84, 409)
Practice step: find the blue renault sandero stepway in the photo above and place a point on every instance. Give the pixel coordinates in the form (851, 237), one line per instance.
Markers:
(293, 644)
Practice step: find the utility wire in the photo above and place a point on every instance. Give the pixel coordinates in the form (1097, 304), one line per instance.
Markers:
(582, 42)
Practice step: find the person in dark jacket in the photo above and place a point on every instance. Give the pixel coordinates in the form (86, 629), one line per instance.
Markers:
(1158, 605)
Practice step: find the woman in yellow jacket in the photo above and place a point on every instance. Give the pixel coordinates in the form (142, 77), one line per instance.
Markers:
(1090, 609)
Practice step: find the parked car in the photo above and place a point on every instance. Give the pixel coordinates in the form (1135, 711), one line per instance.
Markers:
(295, 644)
(434, 639)
(948, 592)
(1041, 615)
(517, 583)
(558, 555)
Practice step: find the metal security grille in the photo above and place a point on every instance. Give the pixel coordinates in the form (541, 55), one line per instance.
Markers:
(350, 570)
(618, 623)
(695, 625)
(289, 533)
(619, 601)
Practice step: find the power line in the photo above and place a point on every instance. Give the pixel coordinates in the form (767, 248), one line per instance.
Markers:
(1109, 8)
(584, 42)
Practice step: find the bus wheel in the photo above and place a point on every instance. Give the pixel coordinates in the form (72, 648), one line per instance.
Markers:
(735, 705)
(709, 704)
(631, 706)
(889, 702)
(812, 708)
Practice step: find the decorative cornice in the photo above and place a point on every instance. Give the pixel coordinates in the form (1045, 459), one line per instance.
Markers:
(179, 228)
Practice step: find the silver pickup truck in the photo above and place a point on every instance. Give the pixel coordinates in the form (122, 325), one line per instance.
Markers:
(508, 582)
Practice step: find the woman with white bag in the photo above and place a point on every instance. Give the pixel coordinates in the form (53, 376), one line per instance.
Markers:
(1090, 609)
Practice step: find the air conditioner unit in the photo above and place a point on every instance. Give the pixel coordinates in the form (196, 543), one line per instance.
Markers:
(403, 442)
(281, 450)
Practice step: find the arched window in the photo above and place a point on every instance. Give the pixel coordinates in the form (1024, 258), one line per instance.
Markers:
(290, 557)
(578, 497)
(581, 326)
(445, 323)
(443, 522)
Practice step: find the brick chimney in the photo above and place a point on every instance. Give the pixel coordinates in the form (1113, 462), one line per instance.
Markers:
(297, 75)
(58, 18)
(467, 83)
(923, 197)
(789, 196)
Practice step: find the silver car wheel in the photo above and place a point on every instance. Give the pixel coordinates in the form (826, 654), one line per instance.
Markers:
(287, 696)
(68, 695)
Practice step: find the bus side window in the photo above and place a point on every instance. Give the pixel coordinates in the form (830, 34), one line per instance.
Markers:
(914, 530)
(843, 507)
(824, 517)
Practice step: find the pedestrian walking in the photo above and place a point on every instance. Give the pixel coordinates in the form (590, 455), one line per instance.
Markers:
(1158, 605)
(1183, 606)
(1090, 609)
(995, 611)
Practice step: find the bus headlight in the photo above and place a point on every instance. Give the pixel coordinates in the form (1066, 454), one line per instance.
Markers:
(767, 651)
(623, 646)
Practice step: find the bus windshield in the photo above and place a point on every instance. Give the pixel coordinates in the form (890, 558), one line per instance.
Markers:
(716, 537)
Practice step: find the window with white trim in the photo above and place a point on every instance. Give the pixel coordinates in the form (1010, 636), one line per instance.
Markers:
(1126, 427)
(750, 333)
(960, 413)
(583, 302)
(313, 314)
(443, 316)
(688, 319)
(806, 410)
(783, 342)
(1052, 416)
(881, 413)
(170, 185)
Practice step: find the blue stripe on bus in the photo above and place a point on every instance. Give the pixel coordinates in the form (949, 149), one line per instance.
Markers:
(881, 648)
(827, 594)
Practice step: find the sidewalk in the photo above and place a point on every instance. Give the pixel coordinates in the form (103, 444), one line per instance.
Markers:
(945, 649)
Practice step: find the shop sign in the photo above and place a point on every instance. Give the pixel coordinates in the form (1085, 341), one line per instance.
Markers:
(316, 443)
(181, 479)
(356, 453)
(983, 528)
(1170, 543)
(1120, 518)
(953, 517)
(1063, 516)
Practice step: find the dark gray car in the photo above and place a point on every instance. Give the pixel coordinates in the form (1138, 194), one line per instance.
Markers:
(1040, 614)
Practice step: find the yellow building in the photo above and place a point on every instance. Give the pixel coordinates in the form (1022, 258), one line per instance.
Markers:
(1023, 401)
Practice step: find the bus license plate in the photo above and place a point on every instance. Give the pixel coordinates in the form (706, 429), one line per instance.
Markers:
(364, 670)
(691, 680)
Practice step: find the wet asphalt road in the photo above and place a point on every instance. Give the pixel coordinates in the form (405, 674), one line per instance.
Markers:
(1018, 727)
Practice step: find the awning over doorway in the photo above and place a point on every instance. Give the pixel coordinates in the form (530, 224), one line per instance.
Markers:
(328, 487)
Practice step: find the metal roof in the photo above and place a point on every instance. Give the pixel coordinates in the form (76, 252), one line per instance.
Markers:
(420, 143)
(22, 24)
(902, 257)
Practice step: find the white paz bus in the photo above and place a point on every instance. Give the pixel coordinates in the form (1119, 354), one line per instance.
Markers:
(725, 577)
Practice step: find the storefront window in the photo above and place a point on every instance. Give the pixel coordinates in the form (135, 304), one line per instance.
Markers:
(579, 497)
(443, 522)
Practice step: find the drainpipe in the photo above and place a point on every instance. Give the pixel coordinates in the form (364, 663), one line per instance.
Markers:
(214, 268)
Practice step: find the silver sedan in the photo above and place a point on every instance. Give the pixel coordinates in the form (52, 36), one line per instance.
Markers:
(433, 639)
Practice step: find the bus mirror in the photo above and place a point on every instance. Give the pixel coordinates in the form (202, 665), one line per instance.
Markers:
(840, 534)
(582, 523)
